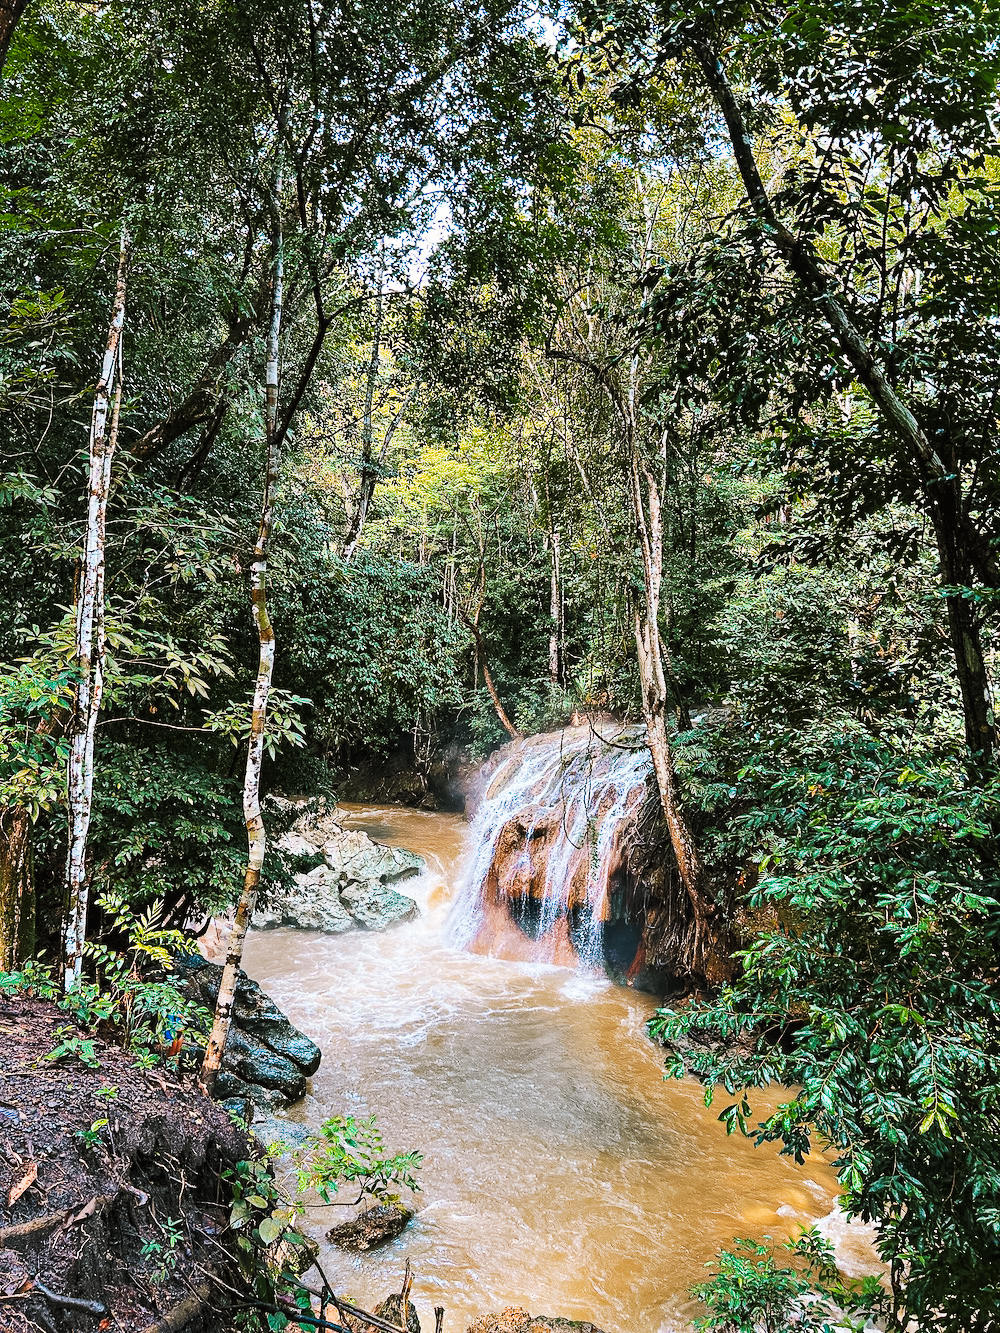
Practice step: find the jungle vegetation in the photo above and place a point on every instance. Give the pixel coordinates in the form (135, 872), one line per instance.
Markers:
(412, 375)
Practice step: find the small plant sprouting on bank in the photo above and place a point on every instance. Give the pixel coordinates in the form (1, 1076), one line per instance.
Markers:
(749, 1292)
(164, 1255)
(73, 1046)
(351, 1152)
(91, 1138)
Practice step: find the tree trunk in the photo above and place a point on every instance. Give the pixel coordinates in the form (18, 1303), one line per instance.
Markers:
(555, 609)
(368, 473)
(481, 661)
(10, 15)
(256, 834)
(17, 890)
(970, 660)
(89, 647)
(653, 684)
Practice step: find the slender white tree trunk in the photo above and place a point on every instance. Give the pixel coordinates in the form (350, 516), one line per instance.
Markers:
(256, 835)
(89, 645)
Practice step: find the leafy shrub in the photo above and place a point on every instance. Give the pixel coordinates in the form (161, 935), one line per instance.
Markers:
(872, 991)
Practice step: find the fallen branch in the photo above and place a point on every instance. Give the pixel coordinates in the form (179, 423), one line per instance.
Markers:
(24, 1230)
(181, 1314)
(69, 1302)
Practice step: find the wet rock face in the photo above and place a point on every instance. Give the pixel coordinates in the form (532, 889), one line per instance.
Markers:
(516, 1320)
(354, 888)
(371, 1228)
(267, 1059)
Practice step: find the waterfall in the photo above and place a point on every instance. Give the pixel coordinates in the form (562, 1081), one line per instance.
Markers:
(547, 878)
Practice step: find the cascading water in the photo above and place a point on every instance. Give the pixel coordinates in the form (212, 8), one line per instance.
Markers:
(546, 881)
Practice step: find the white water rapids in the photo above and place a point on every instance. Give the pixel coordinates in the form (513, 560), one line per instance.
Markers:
(561, 1173)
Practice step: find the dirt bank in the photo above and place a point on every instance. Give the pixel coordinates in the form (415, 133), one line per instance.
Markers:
(113, 1198)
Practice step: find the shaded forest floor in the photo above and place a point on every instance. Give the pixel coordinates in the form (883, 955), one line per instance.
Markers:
(113, 1202)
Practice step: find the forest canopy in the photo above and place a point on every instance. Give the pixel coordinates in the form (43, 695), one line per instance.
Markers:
(382, 378)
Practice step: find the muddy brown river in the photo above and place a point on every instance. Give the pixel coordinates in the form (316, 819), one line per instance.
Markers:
(561, 1173)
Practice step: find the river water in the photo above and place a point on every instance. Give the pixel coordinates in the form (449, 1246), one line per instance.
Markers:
(561, 1173)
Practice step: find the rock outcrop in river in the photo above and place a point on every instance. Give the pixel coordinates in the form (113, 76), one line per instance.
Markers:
(351, 886)
(572, 862)
(266, 1060)
(554, 818)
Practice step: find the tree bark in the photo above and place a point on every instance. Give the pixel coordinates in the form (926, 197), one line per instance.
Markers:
(501, 712)
(17, 890)
(256, 833)
(10, 16)
(89, 647)
(555, 608)
(367, 473)
(645, 496)
(202, 403)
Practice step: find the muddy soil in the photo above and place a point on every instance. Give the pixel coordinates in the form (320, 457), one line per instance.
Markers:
(113, 1198)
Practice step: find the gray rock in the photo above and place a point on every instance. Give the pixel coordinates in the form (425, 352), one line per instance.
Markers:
(296, 845)
(374, 906)
(353, 889)
(266, 1058)
(273, 1131)
(255, 1063)
(355, 859)
(516, 1320)
(371, 1228)
(231, 1090)
(287, 1041)
(312, 903)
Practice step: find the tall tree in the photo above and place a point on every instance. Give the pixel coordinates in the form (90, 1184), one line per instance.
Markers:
(90, 627)
(877, 188)
(256, 833)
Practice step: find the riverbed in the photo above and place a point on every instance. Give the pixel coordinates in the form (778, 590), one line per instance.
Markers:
(561, 1172)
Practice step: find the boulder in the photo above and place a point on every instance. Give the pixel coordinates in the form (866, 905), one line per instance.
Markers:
(313, 903)
(353, 889)
(371, 1228)
(516, 1320)
(391, 1310)
(267, 1060)
(256, 1063)
(356, 859)
(374, 906)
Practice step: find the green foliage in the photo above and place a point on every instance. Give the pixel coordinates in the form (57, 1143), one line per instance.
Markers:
(371, 645)
(33, 978)
(145, 1011)
(74, 1047)
(749, 1293)
(282, 727)
(131, 999)
(351, 1152)
(168, 828)
(32, 762)
(868, 986)
(165, 1255)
